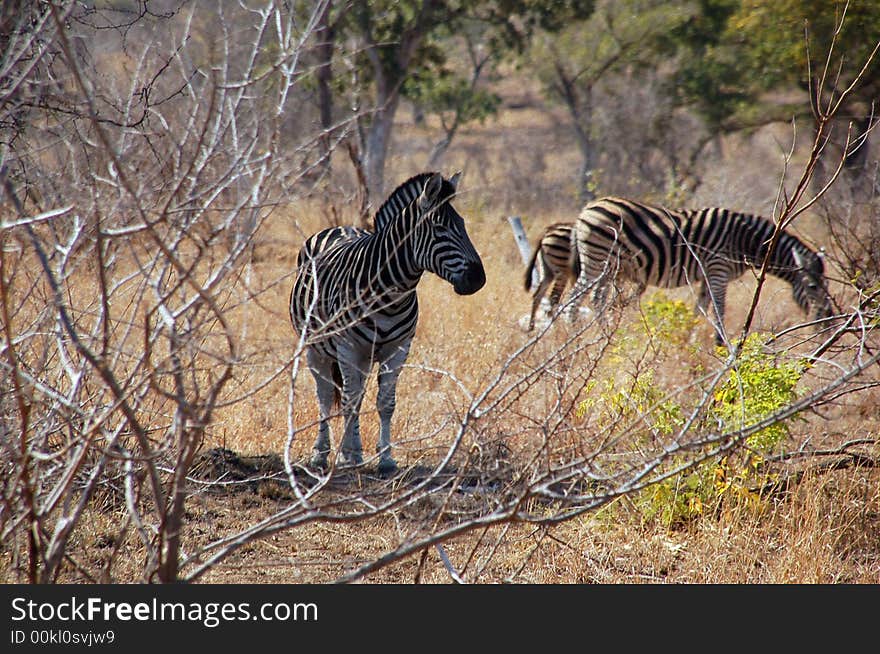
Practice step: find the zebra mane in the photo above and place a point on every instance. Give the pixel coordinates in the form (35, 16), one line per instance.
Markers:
(404, 195)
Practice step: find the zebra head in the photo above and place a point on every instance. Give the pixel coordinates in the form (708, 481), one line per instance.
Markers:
(444, 247)
(809, 285)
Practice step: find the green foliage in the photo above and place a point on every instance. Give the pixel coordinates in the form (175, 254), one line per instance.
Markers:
(755, 388)
(665, 326)
(447, 92)
(668, 321)
(736, 50)
(618, 36)
(777, 47)
(709, 76)
(758, 386)
(640, 401)
(680, 498)
(391, 27)
(637, 398)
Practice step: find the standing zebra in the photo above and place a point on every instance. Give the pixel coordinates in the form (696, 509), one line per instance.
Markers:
(556, 257)
(650, 245)
(354, 302)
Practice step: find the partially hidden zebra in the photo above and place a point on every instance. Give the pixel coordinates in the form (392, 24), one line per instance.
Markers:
(555, 258)
(617, 238)
(354, 303)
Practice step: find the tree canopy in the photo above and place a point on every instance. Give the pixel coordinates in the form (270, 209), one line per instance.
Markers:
(389, 40)
(736, 53)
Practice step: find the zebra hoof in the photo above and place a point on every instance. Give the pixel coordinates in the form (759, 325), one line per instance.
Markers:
(318, 460)
(387, 466)
(350, 459)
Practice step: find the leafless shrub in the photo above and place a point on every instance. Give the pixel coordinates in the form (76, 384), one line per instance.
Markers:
(133, 193)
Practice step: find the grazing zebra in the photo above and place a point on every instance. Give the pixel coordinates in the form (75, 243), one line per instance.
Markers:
(650, 245)
(354, 302)
(556, 257)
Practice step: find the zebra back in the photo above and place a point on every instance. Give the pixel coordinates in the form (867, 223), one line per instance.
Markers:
(320, 242)
(744, 239)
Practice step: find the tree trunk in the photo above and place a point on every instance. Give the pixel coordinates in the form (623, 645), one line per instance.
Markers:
(579, 103)
(439, 150)
(585, 175)
(389, 73)
(324, 74)
(378, 139)
(582, 117)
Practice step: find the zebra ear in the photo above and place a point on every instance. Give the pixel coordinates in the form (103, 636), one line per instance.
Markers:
(455, 179)
(798, 259)
(431, 193)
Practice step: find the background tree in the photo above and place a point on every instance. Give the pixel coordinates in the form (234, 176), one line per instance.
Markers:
(391, 40)
(132, 196)
(742, 58)
(623, 40)
(456, 95)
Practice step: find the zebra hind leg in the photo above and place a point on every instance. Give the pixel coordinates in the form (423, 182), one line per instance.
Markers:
(537, 297)
(600, 303)
(576, 298)
(556, 294)
(325, 388)
(354, 381)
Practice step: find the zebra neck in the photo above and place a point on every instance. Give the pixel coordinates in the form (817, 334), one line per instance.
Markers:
(782, 263)
(751, 236)
(395, 246)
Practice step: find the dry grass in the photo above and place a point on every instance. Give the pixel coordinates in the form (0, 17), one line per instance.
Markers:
(824, 532)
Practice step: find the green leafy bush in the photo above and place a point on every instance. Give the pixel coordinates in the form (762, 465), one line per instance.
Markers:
(755, 388)
(668, 321)
(758, 385)
(634, 400)
(639, 401)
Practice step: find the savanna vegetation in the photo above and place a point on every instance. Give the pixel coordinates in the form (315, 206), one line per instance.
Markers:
(162, 161)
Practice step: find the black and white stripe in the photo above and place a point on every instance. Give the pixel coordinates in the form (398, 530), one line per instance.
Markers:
(354, 301)
(318, 243)
(650, 245)
(555, 258)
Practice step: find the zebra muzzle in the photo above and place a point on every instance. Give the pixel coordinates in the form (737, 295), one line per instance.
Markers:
(471, 280)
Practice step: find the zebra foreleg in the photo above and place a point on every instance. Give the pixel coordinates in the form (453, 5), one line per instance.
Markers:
(386, 402)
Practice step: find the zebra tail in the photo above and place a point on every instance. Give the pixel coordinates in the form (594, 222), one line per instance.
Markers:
(531, 266)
